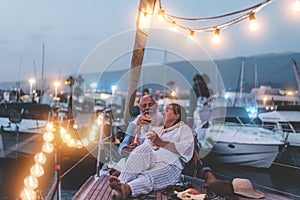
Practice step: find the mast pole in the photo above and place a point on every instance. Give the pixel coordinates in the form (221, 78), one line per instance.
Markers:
(146, 7)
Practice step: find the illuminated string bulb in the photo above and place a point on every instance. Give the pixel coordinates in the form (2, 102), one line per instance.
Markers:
(31, 182)
(78, 144)
(173, 26)
(48, 147)
(50, 127)
(85, 142)
(296, 5)
(216, 38)
(48, 136)
(161, 15)
(75, 126)
(40, 158)
(37, 170)
(70, 142)
(144, 20)
(253, 25)
(27, 194)
(192, 35)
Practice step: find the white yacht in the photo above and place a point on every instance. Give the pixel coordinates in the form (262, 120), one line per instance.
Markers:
(231, 137)
(286, 120)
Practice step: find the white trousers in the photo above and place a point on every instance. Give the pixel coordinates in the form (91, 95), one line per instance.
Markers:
(143, 173)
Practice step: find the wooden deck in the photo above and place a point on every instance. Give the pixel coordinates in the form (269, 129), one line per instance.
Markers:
(98, 188)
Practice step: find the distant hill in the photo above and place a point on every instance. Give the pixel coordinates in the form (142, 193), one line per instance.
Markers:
(275, 70)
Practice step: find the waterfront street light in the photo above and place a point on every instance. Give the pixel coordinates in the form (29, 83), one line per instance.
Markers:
(113, 89)
(56, 84)
(31, 82)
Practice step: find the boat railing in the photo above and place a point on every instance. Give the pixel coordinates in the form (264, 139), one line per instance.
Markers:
(102, 119)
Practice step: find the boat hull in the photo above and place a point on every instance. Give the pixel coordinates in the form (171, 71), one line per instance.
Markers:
(253, 155)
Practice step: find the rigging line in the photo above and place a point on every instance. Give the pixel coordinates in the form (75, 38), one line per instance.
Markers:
(77, 163)
(219, 16)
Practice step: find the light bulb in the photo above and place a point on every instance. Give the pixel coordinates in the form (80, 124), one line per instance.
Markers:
(173, 26)
(144, 20)
(192, 35)
(48, 147)
(85, 142)
(50, 127)
(40, 158)
(296, 5)
(27, 194)
(216, 38)
(37, 170)
(253, 25)
(48, 136)
(78, 144)
(161, 15)
(31, 182)
(71, 142)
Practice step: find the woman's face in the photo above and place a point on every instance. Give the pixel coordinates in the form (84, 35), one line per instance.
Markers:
(169, 116)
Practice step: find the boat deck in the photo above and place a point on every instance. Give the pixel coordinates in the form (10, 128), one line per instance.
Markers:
(98, 188)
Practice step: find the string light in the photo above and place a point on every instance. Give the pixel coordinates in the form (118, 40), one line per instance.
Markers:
(37, 170)
(173, 26)
(253, 25)
(237, 16)
(40, 158)
(28, 194)
(192, 35)
(161, 15)
(296, 5)
(31, 182)
(216, 38)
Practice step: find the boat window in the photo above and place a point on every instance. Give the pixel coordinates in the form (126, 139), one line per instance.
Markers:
(296, 126)
(232, 119)
(286, 127)
(245, 120)
(269, 125)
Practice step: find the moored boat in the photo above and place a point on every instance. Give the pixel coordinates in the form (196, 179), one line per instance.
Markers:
(230, 137)
(22, 127)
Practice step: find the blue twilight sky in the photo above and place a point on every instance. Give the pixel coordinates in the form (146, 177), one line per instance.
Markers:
(71, 29)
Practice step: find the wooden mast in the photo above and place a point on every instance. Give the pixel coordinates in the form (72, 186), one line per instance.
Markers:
(146, 7)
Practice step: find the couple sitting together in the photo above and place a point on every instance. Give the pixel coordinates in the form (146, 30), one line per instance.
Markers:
(158, 154)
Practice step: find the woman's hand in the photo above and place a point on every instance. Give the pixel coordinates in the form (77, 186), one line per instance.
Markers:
(154, 138)
(133, 145)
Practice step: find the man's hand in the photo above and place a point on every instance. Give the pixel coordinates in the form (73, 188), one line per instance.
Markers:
(143, 120)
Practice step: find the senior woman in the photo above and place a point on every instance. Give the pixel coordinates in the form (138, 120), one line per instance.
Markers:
(159, 161)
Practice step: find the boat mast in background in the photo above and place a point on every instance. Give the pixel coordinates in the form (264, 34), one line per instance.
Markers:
(43, 58)
(297, 73)
(255, 77)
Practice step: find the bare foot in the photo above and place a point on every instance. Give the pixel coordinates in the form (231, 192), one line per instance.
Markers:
(114, 172)
(120, 191)
(209, 178)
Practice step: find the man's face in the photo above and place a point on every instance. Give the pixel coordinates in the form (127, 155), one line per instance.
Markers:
(147, 105)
